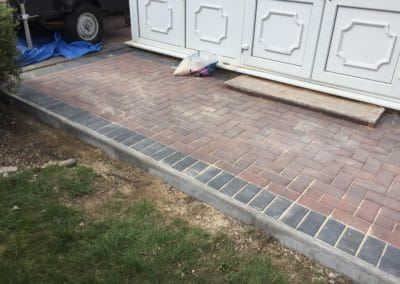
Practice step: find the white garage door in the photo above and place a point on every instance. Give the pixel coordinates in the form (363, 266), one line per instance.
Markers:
(216, 26)
(349, 48)
(284, 36)
(360, 47)
(162, 21)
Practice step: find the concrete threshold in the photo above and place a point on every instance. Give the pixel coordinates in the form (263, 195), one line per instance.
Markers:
(220, 189)
(340, 107)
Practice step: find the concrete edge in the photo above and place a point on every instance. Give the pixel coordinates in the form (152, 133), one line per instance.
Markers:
(351, 266)
(371, 123)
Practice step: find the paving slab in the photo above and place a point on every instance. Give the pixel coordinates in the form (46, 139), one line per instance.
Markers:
(353, 110)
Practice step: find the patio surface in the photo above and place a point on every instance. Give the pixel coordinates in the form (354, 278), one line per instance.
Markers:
(345, 171)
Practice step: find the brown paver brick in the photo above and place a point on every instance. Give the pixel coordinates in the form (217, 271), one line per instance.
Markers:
(283, 191)
(343, 181)
(361, 155)
(279, 179)
(339, 204)
(313, 193)
(392, 168)
(256, 179)
(300, 183)
(330, 165)
(318, 175)
(328, 189)
(292, 170)
(315, 205)
(229, 167)
(372, 166)
(355, 194)
(394, 191)
(385, 222)
(391, 214)
(324, 157)
(255, 169)
(246, 160)
(368, 210)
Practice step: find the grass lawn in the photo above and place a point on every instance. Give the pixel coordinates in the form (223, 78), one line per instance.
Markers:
(50, 239)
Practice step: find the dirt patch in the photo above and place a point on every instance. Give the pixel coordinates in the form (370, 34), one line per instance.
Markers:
(27, 143)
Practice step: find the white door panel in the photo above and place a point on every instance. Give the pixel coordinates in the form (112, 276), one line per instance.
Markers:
(216, 26)
(352, 51)
(284, 35)
(281, 31)
(359, 48)
(162, 21)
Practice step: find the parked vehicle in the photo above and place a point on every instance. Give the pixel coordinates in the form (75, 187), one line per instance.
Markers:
(82, 19)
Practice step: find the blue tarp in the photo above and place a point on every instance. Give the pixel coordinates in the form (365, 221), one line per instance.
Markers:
(45, 47)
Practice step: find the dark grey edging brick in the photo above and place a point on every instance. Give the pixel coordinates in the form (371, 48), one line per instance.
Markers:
(278, 207)
(372, 250)
(196, 168)
(162, 153)
(184, 163)
(390, 261)
(247, 193)
(341, 260)
(106, 128)
(99, 123)
(331, 232)
(153, 148)
(133, 140)
(142, 145)
(351, 241)
(123, 137)
(173, 158)
(221, 180)
(208, 174)
(233, 187)
(312, 223)
(262, 200)
(294, 215)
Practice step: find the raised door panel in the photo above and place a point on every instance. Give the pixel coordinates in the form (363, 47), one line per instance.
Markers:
(162, 21)
(360, 47)
(354, 53)
(215, 26)
(283, 36)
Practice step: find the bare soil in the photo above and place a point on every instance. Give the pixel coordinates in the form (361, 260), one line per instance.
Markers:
(25, 143)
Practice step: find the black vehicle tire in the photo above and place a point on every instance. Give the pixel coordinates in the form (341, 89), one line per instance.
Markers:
(84, 23)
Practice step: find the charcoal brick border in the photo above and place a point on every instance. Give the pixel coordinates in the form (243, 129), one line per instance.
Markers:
(373, 261)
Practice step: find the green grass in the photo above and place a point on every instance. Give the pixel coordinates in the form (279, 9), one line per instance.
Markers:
(128, 243)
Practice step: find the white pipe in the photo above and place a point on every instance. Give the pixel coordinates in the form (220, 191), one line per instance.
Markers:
(25, 19)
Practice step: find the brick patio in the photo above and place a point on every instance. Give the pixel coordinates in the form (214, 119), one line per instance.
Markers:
(335, 167)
